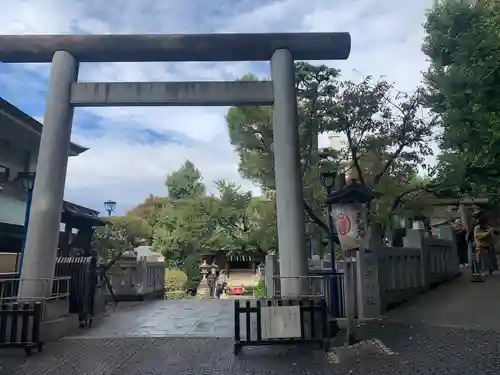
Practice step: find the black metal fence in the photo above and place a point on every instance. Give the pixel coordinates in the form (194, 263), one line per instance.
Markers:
(82, 287)
(313, 319)
(321, 284)
(20, 328)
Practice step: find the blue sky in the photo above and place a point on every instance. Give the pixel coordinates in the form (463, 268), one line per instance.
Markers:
(133, 149)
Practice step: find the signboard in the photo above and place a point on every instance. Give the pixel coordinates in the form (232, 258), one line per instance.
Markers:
(280, 322)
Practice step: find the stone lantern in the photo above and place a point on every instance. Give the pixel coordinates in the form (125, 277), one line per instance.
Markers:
(204, 287)
(214, 271)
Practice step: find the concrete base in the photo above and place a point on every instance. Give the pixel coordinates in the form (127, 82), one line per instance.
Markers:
(55, 329)
(55, 309)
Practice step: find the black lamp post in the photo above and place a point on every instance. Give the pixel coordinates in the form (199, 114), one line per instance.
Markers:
(110, 206)
(27, 180)
(328, 181)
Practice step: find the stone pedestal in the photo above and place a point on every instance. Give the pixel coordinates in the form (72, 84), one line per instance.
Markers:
(203, 289)
(369, 301)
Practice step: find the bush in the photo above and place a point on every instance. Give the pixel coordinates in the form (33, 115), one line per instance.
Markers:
(175, 279)
(192, 268)
(260, 290)
(179, 294)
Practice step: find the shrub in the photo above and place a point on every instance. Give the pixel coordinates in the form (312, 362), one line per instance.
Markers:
(179, 294)
(175, 279)
(192, 268)
(259, 291)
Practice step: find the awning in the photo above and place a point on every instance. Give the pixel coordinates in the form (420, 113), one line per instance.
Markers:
(75, 214)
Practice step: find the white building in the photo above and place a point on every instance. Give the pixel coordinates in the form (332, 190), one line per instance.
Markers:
(19, 143)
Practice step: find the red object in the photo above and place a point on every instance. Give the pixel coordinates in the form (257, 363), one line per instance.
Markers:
(237, 291)
(343, 224)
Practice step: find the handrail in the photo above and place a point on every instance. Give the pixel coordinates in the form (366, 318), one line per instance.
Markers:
(11, 288)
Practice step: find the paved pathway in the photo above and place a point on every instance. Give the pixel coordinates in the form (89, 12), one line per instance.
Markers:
(457, 304)
(146, 341)
(171, 318)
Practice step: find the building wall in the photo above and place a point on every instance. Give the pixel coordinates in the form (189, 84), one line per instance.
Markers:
(12, 195)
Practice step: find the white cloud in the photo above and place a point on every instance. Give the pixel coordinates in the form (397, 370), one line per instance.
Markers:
(386, 35)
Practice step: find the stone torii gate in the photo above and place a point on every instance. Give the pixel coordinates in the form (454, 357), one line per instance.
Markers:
(65, 52)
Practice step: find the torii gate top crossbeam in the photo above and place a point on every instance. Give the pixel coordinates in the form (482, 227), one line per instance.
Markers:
(187, 47)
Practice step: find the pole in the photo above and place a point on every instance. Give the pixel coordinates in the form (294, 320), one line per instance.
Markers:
(45, 213)
(349, 287)
(289, 195)
(26, 223)
(334, 283)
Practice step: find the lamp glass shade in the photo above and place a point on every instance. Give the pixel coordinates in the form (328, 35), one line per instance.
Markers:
(328, 179)
(109, 206)
(27, 180)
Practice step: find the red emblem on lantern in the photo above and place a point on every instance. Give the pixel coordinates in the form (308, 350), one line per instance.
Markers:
(343, 224)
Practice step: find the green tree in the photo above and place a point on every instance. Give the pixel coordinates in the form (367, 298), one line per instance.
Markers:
(250, 131)
(185, 183)
(262, 231)
(120, 234)
(232, 220)
(149, 209)
(186, 226)
(386, 139)
(386, 135)
(462, 42)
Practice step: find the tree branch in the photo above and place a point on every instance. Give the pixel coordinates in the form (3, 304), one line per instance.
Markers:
(354, 156)
(400, 197)
(320, 222)
(391, 160)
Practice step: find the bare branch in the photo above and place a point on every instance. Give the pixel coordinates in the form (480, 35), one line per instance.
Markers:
(354, 157)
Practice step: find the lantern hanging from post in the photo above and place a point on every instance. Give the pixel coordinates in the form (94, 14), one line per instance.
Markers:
(349, 213)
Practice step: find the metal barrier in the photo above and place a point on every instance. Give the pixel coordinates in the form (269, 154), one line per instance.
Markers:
(321, 284)
(83, 274)
(28, 336)
(282, 322)
(10, 289)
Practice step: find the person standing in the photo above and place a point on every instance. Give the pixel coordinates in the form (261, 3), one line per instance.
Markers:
(483, 237)
(461, 241)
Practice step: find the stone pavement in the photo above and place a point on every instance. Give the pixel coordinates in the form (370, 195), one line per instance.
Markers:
(170, 318)
(397, 349)
(415, 339)
(461, 303)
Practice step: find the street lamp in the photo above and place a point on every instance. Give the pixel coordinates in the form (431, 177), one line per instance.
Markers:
(328, 181)
(110, 206)
(27, 180)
